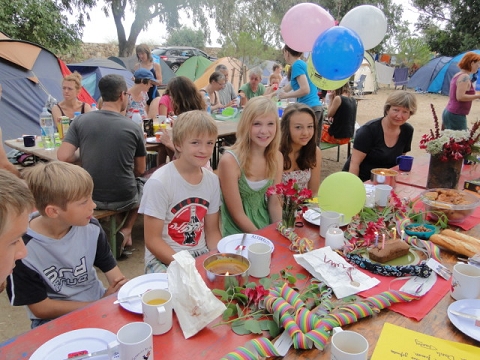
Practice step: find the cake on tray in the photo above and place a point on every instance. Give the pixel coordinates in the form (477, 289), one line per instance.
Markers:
(393, 249)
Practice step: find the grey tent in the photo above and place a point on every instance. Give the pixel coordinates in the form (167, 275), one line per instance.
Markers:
(92, 70)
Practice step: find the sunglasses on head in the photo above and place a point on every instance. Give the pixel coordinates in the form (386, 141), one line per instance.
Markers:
(143, 81)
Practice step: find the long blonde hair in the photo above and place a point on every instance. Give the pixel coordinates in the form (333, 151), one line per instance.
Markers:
(256, 107)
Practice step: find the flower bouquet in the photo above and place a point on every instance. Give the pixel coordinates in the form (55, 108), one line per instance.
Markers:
(451, 144)
(291, 198)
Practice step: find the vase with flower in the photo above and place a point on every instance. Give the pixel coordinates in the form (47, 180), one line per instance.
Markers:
(448, 149)
(291, 197)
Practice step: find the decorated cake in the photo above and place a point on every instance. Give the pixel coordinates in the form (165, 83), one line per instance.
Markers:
(393, 249)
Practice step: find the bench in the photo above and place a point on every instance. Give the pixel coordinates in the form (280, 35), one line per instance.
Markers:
(111, 217)
(325, 146)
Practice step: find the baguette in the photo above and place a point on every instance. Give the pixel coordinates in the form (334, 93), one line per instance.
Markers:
(454, 245)
(462, 237)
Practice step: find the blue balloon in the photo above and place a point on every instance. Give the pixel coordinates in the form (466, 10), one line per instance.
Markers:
(337, 53)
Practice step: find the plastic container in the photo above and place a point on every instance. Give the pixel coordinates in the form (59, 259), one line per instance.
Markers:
(48, 129)
(457, 205)
(94, 107)
(137, 118)
(208, 103)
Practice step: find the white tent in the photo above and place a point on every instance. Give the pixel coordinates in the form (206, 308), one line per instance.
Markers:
(368, 68)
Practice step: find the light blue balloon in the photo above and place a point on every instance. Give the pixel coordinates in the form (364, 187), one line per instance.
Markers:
(337, 53)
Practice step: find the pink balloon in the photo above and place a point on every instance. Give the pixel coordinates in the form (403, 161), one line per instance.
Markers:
(303, 23)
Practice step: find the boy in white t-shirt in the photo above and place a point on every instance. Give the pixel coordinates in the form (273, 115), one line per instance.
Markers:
(181, 200)
(65, 244)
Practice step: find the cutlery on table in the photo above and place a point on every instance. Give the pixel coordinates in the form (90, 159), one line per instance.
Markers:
(467, 316)
(128, 298)
(240, 247)
(79, 355)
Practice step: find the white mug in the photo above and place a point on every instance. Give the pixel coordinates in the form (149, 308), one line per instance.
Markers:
(135, 341)
(157, 310)
(329, 219)
(348, 345)
(260, 257)
(465, 282)
(382, 193)
(334, 238)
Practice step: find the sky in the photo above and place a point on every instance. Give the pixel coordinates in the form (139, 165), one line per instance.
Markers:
(156, 33)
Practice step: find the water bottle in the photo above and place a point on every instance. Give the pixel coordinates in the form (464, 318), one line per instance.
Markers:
(94, 107)
(48, 130)
(137, 118)
(239, 101)
(76, 114)
(209, 105)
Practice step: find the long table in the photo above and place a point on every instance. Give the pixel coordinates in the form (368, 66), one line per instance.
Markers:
(214, 342)
(226, 129)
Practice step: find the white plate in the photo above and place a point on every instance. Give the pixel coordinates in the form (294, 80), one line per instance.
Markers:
(152, 140)
(60, 346)
(467, 326)
(139, 285)
(229, 243)
(313, 217)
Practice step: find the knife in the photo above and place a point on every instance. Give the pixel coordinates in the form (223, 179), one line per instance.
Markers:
(128, 298)
(467, 316)
(86, 355)
(241, 246)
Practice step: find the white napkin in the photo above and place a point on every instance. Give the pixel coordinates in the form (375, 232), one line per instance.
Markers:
(195, 304)
(329, 267)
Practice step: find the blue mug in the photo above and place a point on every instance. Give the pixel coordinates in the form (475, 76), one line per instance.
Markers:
(405, 163)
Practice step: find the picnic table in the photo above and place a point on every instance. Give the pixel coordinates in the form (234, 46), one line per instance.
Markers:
(213, 342)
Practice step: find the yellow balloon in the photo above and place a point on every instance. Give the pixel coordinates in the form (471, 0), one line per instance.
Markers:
(320, 82)
(342, 192)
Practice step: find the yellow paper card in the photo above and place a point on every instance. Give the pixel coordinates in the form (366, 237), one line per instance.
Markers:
(415, 345)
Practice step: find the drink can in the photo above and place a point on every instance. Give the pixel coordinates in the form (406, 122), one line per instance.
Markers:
(65, 120)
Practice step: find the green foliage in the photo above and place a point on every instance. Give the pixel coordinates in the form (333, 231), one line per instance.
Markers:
(450, 26)
(41, 22)
(186, 37)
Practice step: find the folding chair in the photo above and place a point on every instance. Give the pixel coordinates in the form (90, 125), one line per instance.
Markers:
(359, 85)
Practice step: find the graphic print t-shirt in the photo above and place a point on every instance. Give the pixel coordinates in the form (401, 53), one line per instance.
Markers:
(181, 205)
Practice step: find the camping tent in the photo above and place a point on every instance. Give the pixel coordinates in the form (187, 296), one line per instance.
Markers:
(367, 68)
(29, 74)
(130, 61)
(422, 78)
(237, 73)
(92, 70)
(193, 67)
(441, 82)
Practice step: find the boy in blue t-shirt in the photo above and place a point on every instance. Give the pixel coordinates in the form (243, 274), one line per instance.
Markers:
(64, 243)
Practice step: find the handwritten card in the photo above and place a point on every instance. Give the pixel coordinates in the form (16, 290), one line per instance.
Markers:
(415, 345)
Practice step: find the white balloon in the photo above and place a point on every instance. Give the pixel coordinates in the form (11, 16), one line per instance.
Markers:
(369, 22)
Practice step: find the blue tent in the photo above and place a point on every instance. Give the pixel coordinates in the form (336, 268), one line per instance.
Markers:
(441, 83)
(92, 70)
(423, 77)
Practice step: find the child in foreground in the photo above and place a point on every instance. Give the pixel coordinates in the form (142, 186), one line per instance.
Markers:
(301, 156)
(16, 202)
(64, 244)
(249, 167)
(181, 200)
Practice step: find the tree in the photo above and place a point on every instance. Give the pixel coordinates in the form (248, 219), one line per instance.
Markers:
(186, 37)
(41, 22)
(450, 26)
(146, 11)
(250, 49)
(262, 18)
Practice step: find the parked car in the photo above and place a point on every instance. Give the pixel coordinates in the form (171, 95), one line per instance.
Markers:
(175, 56)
